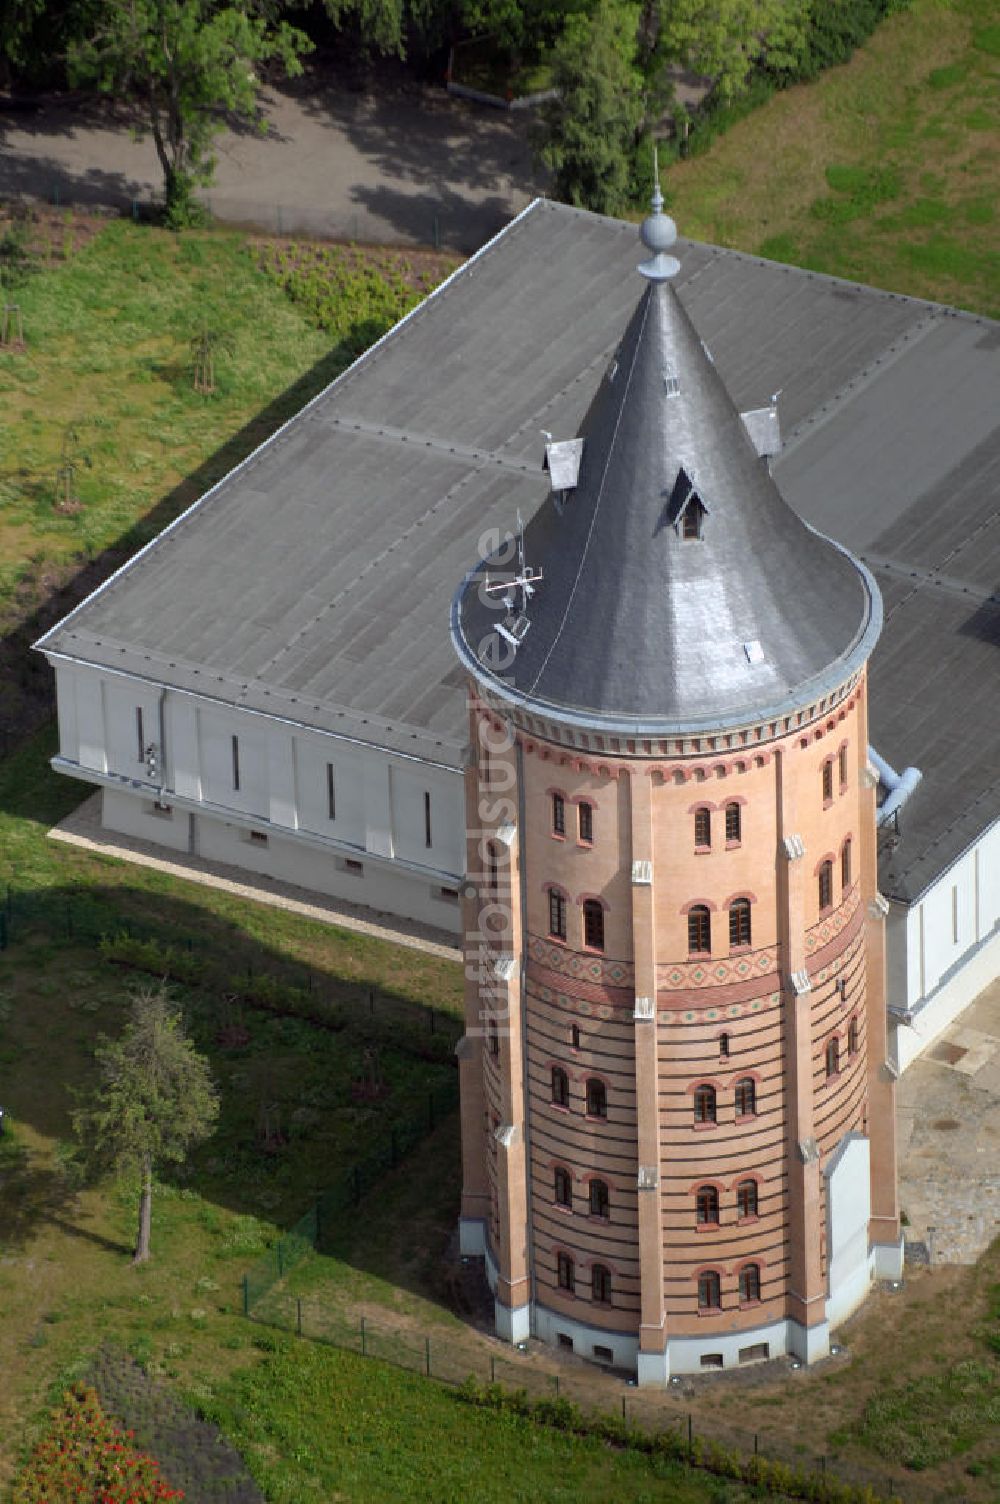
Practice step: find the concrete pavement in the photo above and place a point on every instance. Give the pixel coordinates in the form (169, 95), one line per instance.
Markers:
(407, 165)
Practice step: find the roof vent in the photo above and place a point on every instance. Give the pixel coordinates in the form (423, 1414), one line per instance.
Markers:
(562, 461)
(754, 651)
(762, 424)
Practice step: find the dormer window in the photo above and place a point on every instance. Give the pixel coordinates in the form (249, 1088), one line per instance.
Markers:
(671, 383)
(692, 519)
(685, 509)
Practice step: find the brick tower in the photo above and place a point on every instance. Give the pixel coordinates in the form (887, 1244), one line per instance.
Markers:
(677, 1117)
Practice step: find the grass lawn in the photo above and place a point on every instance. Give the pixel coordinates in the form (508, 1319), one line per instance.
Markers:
(885, 170)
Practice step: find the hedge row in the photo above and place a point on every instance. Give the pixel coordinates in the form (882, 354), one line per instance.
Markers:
(777, 1478)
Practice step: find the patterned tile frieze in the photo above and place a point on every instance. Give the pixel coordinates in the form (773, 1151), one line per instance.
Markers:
(601, 970)
(683, 976)
(587, 1007)
(833, 924)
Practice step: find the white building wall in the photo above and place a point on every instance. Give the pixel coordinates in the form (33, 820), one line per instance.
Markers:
(282, 824)
(945, 949)
(848, 1191)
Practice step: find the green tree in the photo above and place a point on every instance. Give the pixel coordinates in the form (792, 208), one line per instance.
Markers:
(155, 1099)
(724, 40)
(590, 131)
(186, 64)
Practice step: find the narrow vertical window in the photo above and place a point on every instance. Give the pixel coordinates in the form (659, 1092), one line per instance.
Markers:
(842, 766)
(832, 1058)
(600, 1199)
(563, 1188)
(852, 1036)
(739, 922)
(704, 1104)
(828, 781)
(586, 817)
(593, 924)
(707, 1206)
(494, 1038)
(723, 1046)
(600, 1284)
(845, 866)
(331, 793)
(702, 827)
(699, 930)
(597, 1098)
(557, 914)
(566, 1273)
(825, 886)
(560, 1087)
(733, 822)
(746, 1097)
(749, 1283)
(492, 875)
(236, 763)
(574, 1036)
(709, 1291)
(140, 739)
(746, 1199)
(558, 815)
(427, 819)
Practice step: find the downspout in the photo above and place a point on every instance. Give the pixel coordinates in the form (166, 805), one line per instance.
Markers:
(522, 826)
(898, 786)
(161, 712)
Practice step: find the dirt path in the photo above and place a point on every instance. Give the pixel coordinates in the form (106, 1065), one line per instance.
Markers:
(407, 165)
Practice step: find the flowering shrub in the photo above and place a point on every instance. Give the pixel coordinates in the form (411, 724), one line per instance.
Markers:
(86, 1457)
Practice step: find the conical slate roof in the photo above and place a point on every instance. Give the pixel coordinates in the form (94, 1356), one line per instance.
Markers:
(636, 626)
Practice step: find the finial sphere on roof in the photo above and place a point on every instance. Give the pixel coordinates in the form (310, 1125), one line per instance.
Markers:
(658, 232)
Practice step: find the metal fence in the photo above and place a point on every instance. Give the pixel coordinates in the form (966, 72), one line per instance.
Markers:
(313, 1231)
(530, 1379)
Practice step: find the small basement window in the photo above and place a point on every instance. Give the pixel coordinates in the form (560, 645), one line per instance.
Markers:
(604, 1354)
(350, 865)
(450, 895)
(711, 1360)
(564, 1341)
(257, 837)
(757, 1352)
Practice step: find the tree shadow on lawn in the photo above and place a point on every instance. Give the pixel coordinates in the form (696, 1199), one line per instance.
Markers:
(295, 1116)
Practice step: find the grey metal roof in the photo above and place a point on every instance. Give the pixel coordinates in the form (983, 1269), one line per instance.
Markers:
(315, 580)
(636, 626)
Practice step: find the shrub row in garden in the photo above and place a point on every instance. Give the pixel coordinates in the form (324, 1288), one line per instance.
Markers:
(771, 1477)
(85, 1455)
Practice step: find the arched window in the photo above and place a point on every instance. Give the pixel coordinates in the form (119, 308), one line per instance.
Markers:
(733, 822)
(707, 1204)
(600, 1199)
(852, 1036)
(723, 1046)
(558, 815)
(749, 1283)
(703, 827)
(746, 1199)
(600, 1284)
(828, 780)
(739, 921)
(845, 866)
(842, 764)
(597, 1098)
(585, 815)
(709, 1291)
(593, 924)
(563, 1187)
(699, 930)
(704, 1104)
(565, 1272)
(825, 886)
(832, 1058)
(560, 1086)
(557, 914)
(746, 1097)
(494, 1037)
